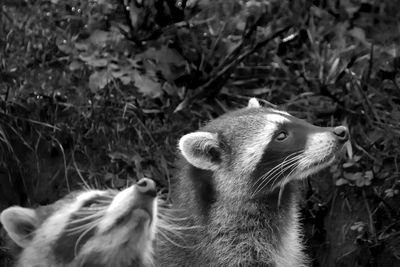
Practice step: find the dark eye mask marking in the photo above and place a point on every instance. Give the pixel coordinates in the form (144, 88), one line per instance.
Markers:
(97, 199)
(64, 246)
(276, 152)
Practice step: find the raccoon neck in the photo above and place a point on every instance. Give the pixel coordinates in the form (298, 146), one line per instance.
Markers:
(235, 230)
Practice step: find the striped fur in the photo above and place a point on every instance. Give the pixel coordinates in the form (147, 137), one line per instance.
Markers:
(236, 192)
(90, 228)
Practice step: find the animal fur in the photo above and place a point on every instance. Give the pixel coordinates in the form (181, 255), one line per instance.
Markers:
(104, 228)
(236, 193)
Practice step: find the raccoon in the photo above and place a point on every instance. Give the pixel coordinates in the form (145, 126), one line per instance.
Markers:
(87, 228)
(236, 191)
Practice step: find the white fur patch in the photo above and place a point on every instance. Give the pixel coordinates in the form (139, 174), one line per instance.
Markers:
(88, 195)
(121, 203)
(253, 103)
(281, 112)
(129, 241)
(319, 146)
(319, 153)
(276, 118)
(290, 252)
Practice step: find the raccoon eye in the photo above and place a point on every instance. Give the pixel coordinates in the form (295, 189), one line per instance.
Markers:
(281, 136)
(90, 203)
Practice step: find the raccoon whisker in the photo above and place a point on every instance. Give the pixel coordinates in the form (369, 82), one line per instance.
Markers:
(87, 218)
(283, 182)
(271, 178)
(287, 167)
(104, 201)
(79, 229)
(165, 223)
(175, 243)
(292, 157)
(81, 236)
(82, 227)
(265, 176)
(173, 218)
(170, 209)
(173, 227)
(283, 168)
(90, 211)
(93, 208)
(167, 230)
(275, 178)
(82, 224)
(309, 160)
(272, 174)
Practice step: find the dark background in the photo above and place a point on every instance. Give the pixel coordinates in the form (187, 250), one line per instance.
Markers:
(99, 92)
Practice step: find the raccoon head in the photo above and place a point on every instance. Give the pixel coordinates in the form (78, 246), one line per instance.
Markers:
(254, 150)
(91, 228)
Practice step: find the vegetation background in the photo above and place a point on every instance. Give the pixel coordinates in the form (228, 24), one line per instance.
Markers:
(98, 92)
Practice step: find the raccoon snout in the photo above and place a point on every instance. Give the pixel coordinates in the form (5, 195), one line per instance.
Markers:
(147, 186)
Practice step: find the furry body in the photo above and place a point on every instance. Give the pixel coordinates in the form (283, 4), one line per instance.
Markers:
(237, 190)
(101, 228)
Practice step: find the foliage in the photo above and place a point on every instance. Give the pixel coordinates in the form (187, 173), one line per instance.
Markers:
(97, 93)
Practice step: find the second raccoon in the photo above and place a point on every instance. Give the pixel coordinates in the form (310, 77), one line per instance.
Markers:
(102, 228)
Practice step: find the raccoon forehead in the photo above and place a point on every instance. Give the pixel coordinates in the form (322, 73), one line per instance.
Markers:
(248, 128)
(253, 119)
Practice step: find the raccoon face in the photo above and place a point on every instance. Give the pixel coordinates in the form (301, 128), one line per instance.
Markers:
(261, 148)
(93, 228)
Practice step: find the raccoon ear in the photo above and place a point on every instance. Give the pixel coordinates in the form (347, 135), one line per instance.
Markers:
(253, 103)
(201, 149)
(19, 223)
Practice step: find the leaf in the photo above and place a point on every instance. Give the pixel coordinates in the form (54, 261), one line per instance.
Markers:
(333, 71)
(146, 85)
(391, 192)
(98, 80)
(65, 47)
(166, 60)
(359, 34)
(82, 46)
(348, 164)
(102, 38)
(182, 105)
(358, 226)
(341, 181)
(94, 61)
(75, 65)
(353, 176)
(369, 175)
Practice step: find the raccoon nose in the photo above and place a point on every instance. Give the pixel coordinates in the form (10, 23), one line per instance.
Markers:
(342, 133)
(147, 186)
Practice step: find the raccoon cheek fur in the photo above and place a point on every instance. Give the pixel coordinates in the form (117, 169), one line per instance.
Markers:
(235, 195)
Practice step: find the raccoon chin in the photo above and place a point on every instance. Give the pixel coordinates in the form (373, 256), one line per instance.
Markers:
(315, 167)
